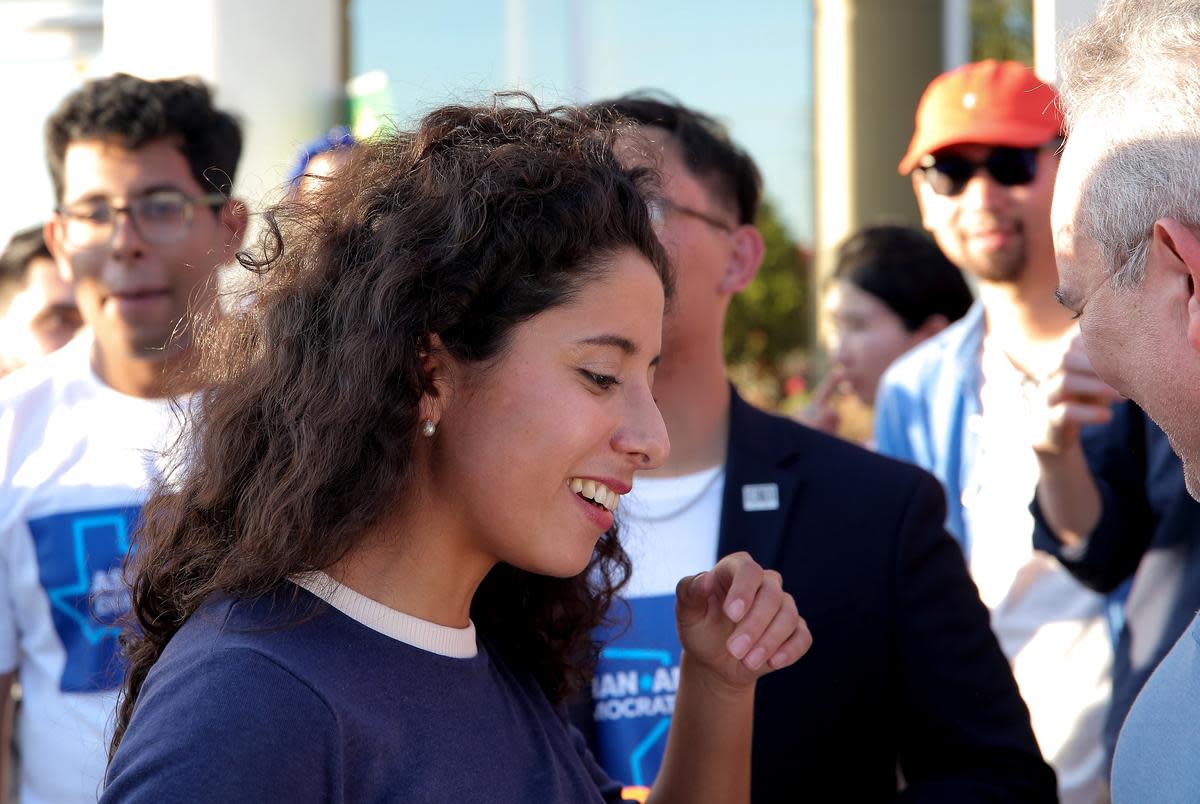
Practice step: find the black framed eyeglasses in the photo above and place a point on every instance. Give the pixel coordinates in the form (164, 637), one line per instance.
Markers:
(660, 206)
(159, 217)
(1011, 167)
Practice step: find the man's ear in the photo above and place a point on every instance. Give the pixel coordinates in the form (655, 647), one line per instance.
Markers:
(234, 219)
(745, 259)
(52, 233)
(439, 368)
(1179, 253)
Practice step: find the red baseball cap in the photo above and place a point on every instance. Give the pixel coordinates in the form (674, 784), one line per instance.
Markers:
(988, 102)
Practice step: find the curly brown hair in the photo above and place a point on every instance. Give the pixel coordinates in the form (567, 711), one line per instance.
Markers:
(476, 221)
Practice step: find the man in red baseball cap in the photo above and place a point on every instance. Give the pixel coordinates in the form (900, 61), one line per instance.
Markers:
(990, 102)
(966, 403)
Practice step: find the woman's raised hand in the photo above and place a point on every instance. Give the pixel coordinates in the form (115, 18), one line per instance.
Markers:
(736, 621)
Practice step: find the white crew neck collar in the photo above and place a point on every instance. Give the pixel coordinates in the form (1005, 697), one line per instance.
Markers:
(455, 643)
(654, 487)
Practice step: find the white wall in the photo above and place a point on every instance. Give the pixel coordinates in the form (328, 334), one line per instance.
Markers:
(275, 63)
(45, 51)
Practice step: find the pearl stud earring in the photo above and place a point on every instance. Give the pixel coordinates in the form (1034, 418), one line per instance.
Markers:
(428, 428)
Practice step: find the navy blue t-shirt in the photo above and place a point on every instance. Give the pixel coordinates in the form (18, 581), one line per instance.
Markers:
(285, 698)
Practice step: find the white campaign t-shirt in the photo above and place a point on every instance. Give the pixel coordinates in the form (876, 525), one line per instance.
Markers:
(1051, 627)
(669, 528)
(75, 460)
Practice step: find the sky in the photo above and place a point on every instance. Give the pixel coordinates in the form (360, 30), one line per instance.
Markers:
(747, 63)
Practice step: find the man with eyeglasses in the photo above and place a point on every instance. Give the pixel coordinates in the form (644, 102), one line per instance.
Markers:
(904, 673)
(37, 306)
(141, 172)
(965, 404)
(1126, 221)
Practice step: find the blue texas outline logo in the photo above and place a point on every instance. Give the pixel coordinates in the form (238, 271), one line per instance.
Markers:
(646, 684)
(80, 555)
(633, 689)
(644, 745)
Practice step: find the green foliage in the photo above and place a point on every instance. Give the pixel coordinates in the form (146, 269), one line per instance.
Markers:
(1002, 29)
(768, 322)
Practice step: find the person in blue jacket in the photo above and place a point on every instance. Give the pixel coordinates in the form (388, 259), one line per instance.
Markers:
(318, 158)
(374, 570)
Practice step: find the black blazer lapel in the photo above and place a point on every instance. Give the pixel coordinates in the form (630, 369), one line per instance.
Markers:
(760, 485)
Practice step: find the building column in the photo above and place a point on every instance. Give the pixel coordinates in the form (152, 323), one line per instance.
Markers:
(277, 64)
(872, 59)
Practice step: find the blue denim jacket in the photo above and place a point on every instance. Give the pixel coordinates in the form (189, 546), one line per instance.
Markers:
(923, 413)
(925, 403)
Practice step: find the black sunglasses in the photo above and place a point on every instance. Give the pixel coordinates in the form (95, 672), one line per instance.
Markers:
(1011, 167)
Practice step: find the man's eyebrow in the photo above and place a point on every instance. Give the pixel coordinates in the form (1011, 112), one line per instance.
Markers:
(91, 195)
(622, 343)
(100, 194)
(162, 186)
(1063, 297)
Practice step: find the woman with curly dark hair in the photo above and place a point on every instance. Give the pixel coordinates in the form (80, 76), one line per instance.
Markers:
(374, 571)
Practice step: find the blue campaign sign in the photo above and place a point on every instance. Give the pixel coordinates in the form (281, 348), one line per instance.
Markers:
(79, 557)
(633, 691)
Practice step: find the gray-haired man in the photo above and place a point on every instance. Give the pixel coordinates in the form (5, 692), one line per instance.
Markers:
(1126, 220)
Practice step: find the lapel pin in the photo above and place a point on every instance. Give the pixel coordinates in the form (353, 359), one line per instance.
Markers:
(760, 497)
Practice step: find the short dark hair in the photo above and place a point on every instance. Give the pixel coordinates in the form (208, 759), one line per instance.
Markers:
(707, 150)
(23, 248)
(906, 271)
(133, 112)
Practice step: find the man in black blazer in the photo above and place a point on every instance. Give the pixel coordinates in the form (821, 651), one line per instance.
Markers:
(905, 693)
